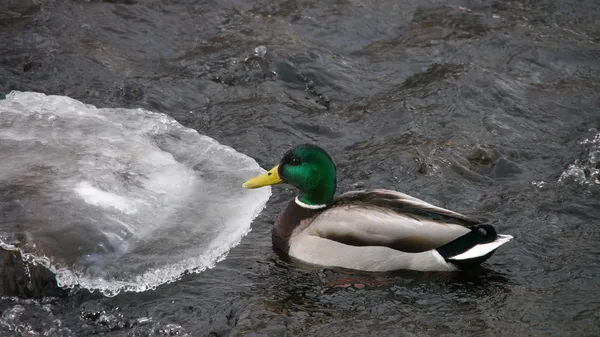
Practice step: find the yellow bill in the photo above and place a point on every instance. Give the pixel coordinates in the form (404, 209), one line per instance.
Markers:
(269, 178)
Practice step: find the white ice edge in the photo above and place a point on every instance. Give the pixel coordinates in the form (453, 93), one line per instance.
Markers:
(148, 281)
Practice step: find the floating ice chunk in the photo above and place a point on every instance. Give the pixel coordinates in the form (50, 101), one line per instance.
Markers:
(117, 199)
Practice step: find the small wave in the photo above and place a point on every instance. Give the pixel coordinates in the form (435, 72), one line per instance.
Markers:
(28, 317)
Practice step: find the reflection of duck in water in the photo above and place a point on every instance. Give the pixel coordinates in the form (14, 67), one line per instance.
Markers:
(372, 230)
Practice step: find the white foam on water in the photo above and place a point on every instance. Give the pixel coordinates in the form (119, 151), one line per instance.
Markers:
(585, 170)
(118, 199)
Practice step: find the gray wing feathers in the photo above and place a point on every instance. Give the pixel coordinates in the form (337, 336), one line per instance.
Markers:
(399, 201)
(360, 226)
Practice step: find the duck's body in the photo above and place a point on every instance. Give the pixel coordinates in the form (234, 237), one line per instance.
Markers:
(371, 230)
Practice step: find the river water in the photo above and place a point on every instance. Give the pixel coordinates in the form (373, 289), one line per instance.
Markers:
(489, 108)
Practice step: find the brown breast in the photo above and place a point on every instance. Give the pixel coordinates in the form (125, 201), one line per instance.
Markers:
(292, 216)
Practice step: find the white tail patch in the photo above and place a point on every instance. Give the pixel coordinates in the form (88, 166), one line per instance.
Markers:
(482, 249)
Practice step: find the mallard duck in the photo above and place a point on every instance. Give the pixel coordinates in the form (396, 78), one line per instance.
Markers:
(369, 230)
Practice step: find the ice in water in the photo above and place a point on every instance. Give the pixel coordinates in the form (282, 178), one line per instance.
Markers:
(117, 199)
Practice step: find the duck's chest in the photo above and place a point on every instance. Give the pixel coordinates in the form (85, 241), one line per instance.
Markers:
(292, 220)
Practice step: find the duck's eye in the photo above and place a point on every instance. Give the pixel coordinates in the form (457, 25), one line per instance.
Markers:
(295, 161)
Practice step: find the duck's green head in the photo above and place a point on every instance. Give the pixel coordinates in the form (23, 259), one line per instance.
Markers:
(307, 167)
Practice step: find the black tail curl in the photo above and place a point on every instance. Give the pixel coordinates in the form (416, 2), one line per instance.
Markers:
(479, 234)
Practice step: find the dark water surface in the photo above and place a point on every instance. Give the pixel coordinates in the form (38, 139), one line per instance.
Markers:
(490, 108)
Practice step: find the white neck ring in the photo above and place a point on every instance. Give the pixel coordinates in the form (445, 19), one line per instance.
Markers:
(304, 205)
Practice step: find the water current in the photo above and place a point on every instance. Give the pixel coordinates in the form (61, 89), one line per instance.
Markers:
(489, 108)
